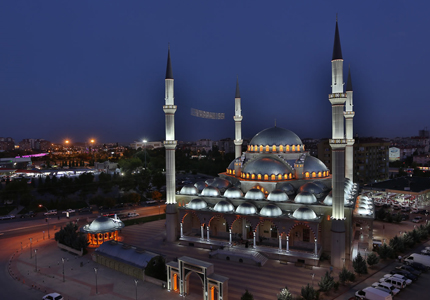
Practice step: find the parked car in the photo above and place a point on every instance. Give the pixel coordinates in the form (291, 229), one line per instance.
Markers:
(398, 276)
(417, 219)
(387, 286)
(52, 212)
(69, 211)
(409, 269)
(418, 266)
(405, 273)
(414, 211)
(397, 282)
(84, 209)
(373, 294)
(30, 214)
(423, 211)
(53, 296)
(132, 214)
(7, 217)
(425, 252)
(406, 209)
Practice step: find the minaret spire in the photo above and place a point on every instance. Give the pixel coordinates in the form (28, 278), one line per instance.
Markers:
(349, 83)
(237, 122)
(337, 51)
(170, 146)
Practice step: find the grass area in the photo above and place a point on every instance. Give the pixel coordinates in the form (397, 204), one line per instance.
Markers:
(6, 210)
(144, 220)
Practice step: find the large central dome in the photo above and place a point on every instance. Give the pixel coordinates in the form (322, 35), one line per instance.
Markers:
(276, 136)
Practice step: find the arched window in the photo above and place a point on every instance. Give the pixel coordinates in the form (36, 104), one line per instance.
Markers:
(253, 176)
(267, 148)
(319, 174)
(251, 148)
(234, 172)
(281, 148)
(259, 177)
(294, 148)
(286, 176)
(303, 147)
(307, 174)
(280, 177)
(291, 175)
(247, 175)
(273, 148)
(288, 148)
(273, 177)
(314, 174)
(298, 147)
(261, 148)
(262, 189)
(266, 177)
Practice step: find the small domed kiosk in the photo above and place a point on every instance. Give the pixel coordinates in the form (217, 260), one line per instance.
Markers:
(101, 230)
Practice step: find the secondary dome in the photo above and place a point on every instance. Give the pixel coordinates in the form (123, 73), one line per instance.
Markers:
(223, 206)
(266, 165)
(197, 204)
(313, 164)
(210, 191)
(304, 213)
(189, 189)
(200, 185)
(255, 194)
(277, 195)
(233, 192)
(328, 199)
(305, 198)
(287, 188)
(312, 188)
(276, 136)
(246, 208)
(103, 224)
(321, 185)
(220, 183)
(270, 210)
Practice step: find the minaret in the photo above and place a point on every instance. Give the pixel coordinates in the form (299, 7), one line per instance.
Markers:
(170, 145)
(349, 115)
(337, 143)
(237, 122)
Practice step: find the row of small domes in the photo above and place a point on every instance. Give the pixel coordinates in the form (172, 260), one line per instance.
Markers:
(247, 208)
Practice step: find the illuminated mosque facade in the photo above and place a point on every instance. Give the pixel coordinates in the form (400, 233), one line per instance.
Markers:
(275, 196)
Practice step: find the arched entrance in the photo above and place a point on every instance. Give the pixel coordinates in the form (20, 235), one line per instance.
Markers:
(213, 286)
(190, 224)
(218, 227)
(302, 237)
(267, 233)
(242, 229)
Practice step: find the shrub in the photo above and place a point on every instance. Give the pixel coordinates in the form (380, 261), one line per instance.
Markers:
(247, 296)
(156, 268)
(326, 283)
(285, 294)
(372, 259)
(308, 293)
(359, 264)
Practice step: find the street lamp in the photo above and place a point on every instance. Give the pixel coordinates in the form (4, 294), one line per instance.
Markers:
(35, 260)
(313, 275)
(47, 219)
(144, 147)
(136, 281)
(31, 252)
(95, 271)
(64, 280)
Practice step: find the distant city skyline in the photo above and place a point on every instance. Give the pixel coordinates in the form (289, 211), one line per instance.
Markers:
(81, 70)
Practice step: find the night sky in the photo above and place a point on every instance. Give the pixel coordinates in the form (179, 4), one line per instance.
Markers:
(96, 68)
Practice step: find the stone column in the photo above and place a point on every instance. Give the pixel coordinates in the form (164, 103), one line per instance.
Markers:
(288, 243)
(203, 234)
(280, 243)
(316, 247)
(229, 233)
(207, 229)
(255, 245)
(182, 229)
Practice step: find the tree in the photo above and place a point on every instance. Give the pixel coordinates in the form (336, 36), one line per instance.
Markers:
(285, 294)
(70, 237)
(247, 296)
(385, 252)
(359, 264)
(308, 293)
(397, 244)
(345, 276)
(156, 268)
(326, 283)
(372, 259)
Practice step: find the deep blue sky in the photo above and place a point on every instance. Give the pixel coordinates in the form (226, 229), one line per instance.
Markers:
(82, 69)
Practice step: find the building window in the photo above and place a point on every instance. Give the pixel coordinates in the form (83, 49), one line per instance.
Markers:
(267, 148)
(314, 174)
(247, 176)
(234, 172)
(291, 176)
(259, 177)
(306, 235)
(279, 177)
(261, 148)
(273, 148)
(307, 174)
(273, 177)
(281, 148)
(253, 176)
(294, 148)
(319, 174)
(298, 148)
(285, 176)
(266, 177)
(251, 148)
(288, 148)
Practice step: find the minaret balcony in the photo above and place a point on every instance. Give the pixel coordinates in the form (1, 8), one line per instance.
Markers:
(337, 143)
(337, 98)
(169, 109)
(238, 142)
(350, 142)
(170, 144)
(348, 114)
(238, 118)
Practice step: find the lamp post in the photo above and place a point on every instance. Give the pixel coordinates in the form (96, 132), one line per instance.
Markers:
(136, 281)
(95, 271)
(35, 260)
(313, 275)
(31, 252)
(47, 219)
(144, 148)
(64, 279)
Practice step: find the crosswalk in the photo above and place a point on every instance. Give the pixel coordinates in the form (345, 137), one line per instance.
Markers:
(263, 282)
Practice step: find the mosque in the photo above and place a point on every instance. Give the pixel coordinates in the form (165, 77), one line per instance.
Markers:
(275, 197)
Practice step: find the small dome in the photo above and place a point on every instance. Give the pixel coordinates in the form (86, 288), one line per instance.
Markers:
(197, 204)
(275, 136)
(246, 208)
(313, 164)
(231, 165)
(189, 189)
(233, 192)
(220, 183)
(266, 165)
(255, 194)
(305, 198)
(210, 191)
(312, 188)
(270, 210)
(200, 185)
(328, 199)
(209, 181)
(321, 185)
(103, 224)
(304, 213)
(365, 212)
(224, 206)
(277, 195)
(287, 188)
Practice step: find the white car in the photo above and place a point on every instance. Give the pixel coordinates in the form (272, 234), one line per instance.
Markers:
(414, 211)
(408, 281)
(417, 219)
(132, 214)
(69, 211)
(7, 217)
(53, 296)
(389, 287)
